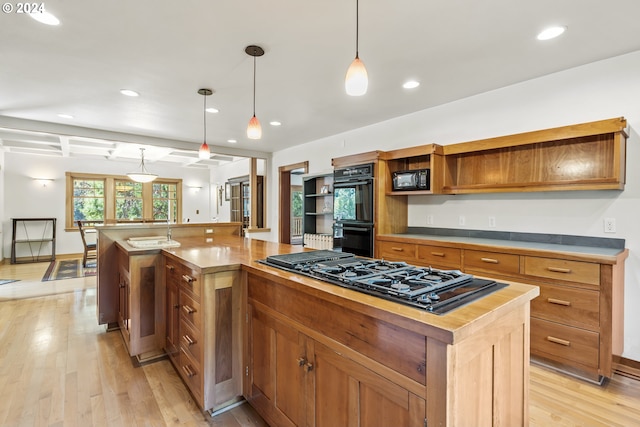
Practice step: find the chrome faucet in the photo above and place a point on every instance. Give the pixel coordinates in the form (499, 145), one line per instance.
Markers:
(168, 230)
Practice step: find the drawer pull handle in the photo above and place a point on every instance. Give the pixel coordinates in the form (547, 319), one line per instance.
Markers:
(559, 341)
(559, 270)
(170, 267)
(188, 279)
(188, 371)
(188, 340)
(301, 361)
(441, 254)
(393, 248)
(489, 260)
(308, 367)
(188, 310)
(559, 301)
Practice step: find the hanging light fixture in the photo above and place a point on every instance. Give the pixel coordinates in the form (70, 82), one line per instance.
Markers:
(204, 152)
(143, 175)
(254, 130)
(356, 81)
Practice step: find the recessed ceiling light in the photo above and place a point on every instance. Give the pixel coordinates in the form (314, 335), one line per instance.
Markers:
(44, 17)
(275, 123)
(65, 116)
(129, 92)
(232, 141)
(551, 33)
(411, 84)
(212, 110)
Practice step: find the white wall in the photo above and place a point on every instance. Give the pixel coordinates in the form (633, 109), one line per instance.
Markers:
(25, 197)
(597, 91)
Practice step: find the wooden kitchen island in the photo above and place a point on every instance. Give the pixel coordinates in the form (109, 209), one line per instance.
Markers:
(305, 352)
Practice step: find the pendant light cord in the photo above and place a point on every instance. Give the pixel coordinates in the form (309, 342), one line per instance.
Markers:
(254, 85)
(204, 117)
(357, 26)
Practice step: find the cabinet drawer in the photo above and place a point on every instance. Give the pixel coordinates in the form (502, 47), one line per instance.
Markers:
(191, 374)
(395, 251)
(564, 343)
(491, 262)
(190, 311)
(191, 342)
(572, 271)
(571, 306)
(190, 281)
(437, 256)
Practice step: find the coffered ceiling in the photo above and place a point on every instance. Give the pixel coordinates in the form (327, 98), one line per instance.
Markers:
(168, 50)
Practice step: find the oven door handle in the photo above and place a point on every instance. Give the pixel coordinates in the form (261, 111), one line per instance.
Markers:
(356, 228)
(347, 184)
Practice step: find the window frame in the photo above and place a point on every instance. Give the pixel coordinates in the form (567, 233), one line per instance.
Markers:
(110, 197)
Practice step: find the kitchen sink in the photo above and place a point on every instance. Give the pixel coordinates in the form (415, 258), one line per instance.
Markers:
(152, 242)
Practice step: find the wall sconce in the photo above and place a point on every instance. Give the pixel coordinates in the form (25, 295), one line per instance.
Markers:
(44, 181)
(194, 188)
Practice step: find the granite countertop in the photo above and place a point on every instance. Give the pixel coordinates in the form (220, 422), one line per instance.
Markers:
(603, 249)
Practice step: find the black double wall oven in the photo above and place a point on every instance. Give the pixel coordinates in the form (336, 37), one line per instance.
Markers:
(353, 209)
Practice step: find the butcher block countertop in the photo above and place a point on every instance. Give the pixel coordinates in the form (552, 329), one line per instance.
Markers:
(222, 253)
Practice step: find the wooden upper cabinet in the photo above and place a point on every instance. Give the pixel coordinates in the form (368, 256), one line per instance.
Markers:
(589, 156)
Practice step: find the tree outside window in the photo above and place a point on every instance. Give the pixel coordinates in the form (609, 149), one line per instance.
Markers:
(88, 200)
(128, 200)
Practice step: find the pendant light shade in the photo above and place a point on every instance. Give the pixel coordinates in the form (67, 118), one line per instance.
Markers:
(357, 80)
(203, 152)
(143, 175)
(254, 130)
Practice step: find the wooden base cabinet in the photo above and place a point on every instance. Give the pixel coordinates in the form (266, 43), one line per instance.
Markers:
(325, 362)
(203, 335)
(141, 304)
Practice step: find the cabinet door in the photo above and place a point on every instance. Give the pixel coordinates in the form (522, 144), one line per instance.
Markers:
(173, 319)
(277, 359)
(349, 394)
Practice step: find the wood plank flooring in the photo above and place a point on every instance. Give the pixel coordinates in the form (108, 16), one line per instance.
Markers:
(59, 368)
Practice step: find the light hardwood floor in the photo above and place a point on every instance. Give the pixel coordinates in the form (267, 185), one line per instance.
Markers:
(59, 368)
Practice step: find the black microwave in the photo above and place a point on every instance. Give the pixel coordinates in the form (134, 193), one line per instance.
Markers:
(418, 179)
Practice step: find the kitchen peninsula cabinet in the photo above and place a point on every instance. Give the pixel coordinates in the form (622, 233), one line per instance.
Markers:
(576, 322)
(141, 304)
(324, 359)
(203, 338)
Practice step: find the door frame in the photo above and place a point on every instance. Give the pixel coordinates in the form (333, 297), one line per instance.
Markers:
(284, 205)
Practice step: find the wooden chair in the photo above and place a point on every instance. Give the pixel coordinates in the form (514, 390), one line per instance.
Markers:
(90, 248)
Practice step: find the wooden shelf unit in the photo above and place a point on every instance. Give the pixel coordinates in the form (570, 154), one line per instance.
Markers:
(421, 157)
(589, 156)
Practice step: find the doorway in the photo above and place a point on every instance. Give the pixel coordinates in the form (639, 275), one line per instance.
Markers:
(289, 212)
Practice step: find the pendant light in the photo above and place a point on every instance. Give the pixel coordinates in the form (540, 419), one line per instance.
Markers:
(204, 152)
(143, 175)
(356, 81)
(254, 130)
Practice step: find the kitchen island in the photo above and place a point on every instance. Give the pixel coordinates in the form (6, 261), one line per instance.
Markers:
(306, 352)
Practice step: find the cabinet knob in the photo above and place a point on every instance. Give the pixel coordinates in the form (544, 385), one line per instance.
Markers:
(440, 254)
(559, 341)
(559, 301)
(188, 279)
(301, 361)
(308, 367)
(559, 270)
(170, 267)
(188, 309)
(394, 248)
(489, 260)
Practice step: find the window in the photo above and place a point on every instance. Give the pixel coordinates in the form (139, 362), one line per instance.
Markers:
(165, 197)
(129, 204)
(88, 199)
(112, 199)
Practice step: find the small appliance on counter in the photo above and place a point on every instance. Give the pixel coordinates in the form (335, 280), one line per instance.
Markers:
(418, 179)
(436, 291)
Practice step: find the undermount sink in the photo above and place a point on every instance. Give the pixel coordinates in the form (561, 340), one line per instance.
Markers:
(153, 242)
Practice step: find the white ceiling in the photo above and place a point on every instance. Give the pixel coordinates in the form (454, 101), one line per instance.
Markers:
(167, 50)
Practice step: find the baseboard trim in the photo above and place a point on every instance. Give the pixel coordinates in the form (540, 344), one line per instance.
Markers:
(626, 367)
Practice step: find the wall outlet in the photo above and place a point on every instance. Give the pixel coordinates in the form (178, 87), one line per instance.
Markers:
(492, 222)
(461, 220)
(429, 219)
(609, 225)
